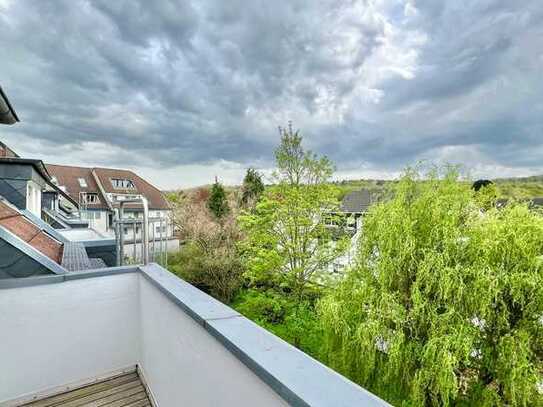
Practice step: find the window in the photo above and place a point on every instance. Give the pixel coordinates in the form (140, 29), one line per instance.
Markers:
(33, 198)
(91, 198)
(82, 182)
(120, 183)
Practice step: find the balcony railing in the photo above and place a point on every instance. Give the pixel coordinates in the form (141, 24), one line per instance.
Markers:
(60, 331)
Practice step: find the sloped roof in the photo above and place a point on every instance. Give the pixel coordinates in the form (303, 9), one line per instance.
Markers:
(153, 194)
(68, 177)
(5, 151)
(356, 201)
(12, 220)
(7, 113)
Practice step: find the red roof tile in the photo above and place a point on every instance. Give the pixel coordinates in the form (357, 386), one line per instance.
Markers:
(68, 176)
(17, 224)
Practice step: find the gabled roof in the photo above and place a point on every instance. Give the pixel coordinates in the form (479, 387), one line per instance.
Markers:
(7, 113)
(153, 194)
(356, 201)
(68, 177)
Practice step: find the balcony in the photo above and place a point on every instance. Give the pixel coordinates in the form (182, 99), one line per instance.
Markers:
(61, 333)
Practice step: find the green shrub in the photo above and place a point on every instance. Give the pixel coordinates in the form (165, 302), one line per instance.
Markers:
(280, 313)
(217, 271)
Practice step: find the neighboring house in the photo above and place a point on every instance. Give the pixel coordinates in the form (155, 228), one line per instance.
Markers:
(351, 213)
(354, 205)
(99, 191)
(27, 185)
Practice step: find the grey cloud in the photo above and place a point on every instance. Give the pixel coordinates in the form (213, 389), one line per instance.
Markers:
(184, 82)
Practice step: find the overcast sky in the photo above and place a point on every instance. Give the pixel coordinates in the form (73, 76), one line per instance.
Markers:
(184, 90)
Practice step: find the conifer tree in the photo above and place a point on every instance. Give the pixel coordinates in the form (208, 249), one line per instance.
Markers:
(217, 202)
(252, 187)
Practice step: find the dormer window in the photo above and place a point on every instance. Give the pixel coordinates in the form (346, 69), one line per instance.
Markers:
(122, 183)
(82, 182)
(91, 198)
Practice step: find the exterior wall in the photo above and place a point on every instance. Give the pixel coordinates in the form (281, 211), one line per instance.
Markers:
(172, 246)
(97, 220)
(50, 338)
(13, 180)
(154, 230)
(15, 183)
(176, 349)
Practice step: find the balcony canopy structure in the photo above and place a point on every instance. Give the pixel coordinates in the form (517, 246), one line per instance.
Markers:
(69, 336)
(7, 113)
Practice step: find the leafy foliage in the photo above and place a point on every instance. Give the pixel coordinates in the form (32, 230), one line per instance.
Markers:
(217, 270)
(217, 202)
(294, 322)
(287, 243)
(445, 305)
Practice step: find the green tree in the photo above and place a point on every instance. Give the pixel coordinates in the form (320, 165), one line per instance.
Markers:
(217, 202)
(287, 243)
(252, 187)
(445, 305)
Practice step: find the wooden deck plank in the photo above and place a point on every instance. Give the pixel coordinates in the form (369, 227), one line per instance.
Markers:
(141, 403)
(104, 397)
(84, 390)
(130, 399)
(101, 398)
(124, 390)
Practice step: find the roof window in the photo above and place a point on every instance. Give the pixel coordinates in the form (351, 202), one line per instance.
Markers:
(122, 183)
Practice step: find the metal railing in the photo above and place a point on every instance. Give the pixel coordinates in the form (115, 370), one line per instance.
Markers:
(153, 248)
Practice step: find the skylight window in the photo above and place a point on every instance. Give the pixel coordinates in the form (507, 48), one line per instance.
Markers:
(122, 183)
(82, 182)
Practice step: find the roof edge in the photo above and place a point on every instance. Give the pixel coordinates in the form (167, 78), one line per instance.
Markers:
(7, 110)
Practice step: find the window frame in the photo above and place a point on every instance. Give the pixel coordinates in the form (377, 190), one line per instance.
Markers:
(82, 182)
(95, 196)
(125, 183)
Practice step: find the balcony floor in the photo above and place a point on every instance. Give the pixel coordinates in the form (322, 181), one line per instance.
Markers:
(125, 390)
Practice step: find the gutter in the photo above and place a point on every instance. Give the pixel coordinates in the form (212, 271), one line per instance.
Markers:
(7, 113)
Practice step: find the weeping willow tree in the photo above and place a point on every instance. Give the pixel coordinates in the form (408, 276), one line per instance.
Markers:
(445, 304)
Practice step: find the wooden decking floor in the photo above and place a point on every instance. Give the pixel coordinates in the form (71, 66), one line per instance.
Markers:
(120, 391)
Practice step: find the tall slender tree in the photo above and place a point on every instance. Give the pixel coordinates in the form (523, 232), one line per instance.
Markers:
(218, 202)
(252, 187)
(288, 244)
